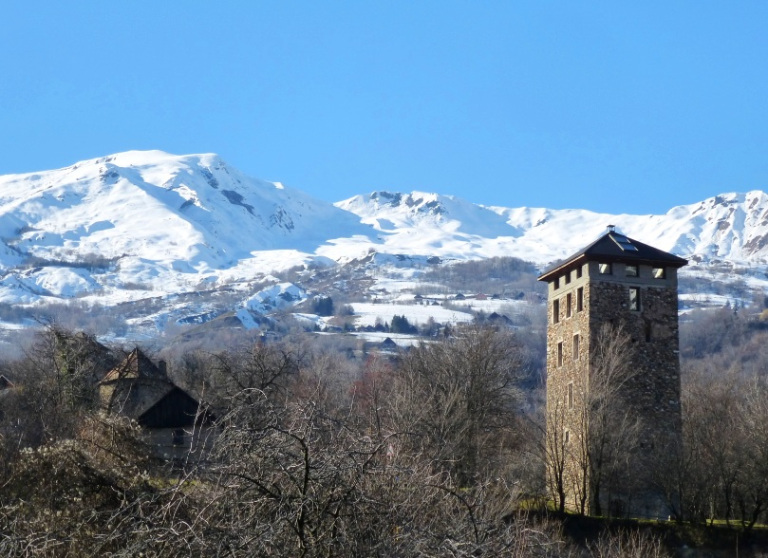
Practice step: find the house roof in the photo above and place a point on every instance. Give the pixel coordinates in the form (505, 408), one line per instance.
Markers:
(135, 366)
(175, 409)
(134, 386)
(615, 247)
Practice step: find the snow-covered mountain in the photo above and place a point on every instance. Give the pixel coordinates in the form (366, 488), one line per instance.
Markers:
(150, 221)
(145, 224)
(730, 227)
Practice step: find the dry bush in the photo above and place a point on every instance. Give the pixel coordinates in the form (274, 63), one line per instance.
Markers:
(627, 544)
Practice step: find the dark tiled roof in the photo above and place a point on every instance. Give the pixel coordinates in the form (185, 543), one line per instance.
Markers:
(175, 409)
(615, 247)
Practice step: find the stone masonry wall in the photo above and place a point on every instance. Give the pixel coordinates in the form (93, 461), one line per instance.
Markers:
(653, 395)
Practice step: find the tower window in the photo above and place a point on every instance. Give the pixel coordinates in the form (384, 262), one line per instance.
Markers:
(570, 395)
(576, 347)
(567, 436)
(634, 298)
(557, 283)
(578, 272)
(659, 273)
(580, 299)
(556, 311)
(568, 301)
(605, 268)
(632, 270)
(567, 277)
(560, 354)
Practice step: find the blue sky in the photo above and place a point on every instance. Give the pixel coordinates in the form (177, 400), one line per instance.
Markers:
(610, 106)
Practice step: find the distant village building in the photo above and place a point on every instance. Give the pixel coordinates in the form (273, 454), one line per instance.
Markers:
(176, 423)
(619, 281)
(388, 344)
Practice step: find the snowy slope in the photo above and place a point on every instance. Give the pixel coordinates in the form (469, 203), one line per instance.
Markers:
(732, 227)
(159, 220)
(146, 224)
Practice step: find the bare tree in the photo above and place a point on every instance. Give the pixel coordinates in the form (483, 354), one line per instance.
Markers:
(752, 501)
(57, 380)
(456, 400)
(721, 469)
(557, 455)
(591, 438)
(627, 544)
(612, 428)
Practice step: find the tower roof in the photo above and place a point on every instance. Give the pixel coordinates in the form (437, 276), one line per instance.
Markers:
(615, 247)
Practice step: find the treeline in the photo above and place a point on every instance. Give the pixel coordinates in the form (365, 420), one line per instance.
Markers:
(428, 454)
(506, 276)
(437, 451)
(715, 473)
(720, 474)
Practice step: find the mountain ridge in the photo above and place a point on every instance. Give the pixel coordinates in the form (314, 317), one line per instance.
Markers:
(147, 223)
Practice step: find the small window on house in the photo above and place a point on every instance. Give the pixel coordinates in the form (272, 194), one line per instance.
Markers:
(580, 299)
(567, 277)
(634, 298)
(576, 347)
(567, 436)
(560, 354)
(178, 437)
(568, 304)
(605, 268)
(632, 270)
(557, 283)
(570, 395)
(659, 273)
(556, 311)
(578, 272)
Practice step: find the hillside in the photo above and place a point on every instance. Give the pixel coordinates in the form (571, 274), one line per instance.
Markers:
(184, 239)
(149, 221)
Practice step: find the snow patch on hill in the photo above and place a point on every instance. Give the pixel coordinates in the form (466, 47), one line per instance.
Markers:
(276, 297)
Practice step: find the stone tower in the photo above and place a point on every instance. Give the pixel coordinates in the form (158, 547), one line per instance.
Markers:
(613, 376)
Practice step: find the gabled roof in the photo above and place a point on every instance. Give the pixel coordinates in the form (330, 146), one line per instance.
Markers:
(175, 409)
(135, 366)
(133, 386)
(615, 247)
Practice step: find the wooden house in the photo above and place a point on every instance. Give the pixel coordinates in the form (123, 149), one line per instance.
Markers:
(177, 425)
